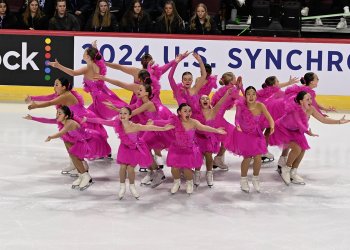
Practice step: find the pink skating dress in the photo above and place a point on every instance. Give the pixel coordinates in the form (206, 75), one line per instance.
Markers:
(132, 150)
(183, 150)
(250, 141)
(86, 143)
(209, 86)
(291, 127)
(101, 93)
(78, 110)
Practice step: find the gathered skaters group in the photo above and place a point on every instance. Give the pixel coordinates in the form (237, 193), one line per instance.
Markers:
(198, 130)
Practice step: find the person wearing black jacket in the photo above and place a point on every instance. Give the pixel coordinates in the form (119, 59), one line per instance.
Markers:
(62, 20)
(136, 19)
(201, 22)
(169, 22)
(7, 19)
(33, 18)
(102, 20)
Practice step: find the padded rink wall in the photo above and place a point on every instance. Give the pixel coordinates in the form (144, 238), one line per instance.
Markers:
(24, 56)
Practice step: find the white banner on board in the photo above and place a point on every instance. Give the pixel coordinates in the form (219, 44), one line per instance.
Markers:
(252, 60)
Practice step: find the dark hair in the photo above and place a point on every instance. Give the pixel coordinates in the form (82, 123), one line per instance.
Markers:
(208, 68)
(7, 7)
(300, 96)
(181, 106)
(186, 73)
(248, 88)
(65, 83)
(128, 109)
(148, 89)
(145, 60)
(169, 20)
(270, 81)
(145, 76)
(308, 78)
(27, 13)
(67, 111)
(93, 53)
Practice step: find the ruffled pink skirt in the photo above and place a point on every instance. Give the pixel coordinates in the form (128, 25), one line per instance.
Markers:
(184, 157)
(133, 156)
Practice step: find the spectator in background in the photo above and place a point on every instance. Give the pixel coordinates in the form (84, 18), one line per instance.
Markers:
(33, 18)
(80, 9)
(136, 19)
(201, 22)
(340, 6)
(62, 20)
(169, 22)
(7, 19)
(102, 20)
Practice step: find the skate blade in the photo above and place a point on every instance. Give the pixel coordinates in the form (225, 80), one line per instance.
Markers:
(214, 166)
(137, 198)
(120, 198)
(65, 172)
(267, 160)
(156, 185)
(210, 186)
(75, 186)
(88, 185)
(245, 191)
(143, 170)
(146, 184)
(298, 183)
(73, 175)
(175, 191)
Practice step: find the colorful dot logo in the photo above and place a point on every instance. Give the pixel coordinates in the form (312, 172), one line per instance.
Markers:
(47, 57)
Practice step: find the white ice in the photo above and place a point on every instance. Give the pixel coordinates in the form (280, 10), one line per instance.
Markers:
(39, 210)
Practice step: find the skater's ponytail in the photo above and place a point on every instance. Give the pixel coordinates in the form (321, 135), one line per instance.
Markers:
(67, 111)
(66, 83)
(308, 78)
(270, 81)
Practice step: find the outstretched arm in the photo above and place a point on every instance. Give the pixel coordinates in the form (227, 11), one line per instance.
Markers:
(327, 120)
(128, 86)
(64, 130)
(40, 98)
(202, 79)
(40, 119)
(206, 128)
(292, 80)
(100, 121)
(57, 101)
(133, 71)
(66, 70)
(144, 107)
(141, 127)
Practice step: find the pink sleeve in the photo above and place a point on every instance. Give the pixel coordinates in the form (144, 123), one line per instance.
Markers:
(167, 66)
(44, 120)
(43, 97)
(110, 123)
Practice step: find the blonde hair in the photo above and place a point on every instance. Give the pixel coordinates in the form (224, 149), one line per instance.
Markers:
(227, 78)
(207, 24)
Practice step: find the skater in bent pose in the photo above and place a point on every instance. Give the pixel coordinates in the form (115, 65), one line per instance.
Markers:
(290, 133)
(132, 150)
(81, 142)
(247, 139)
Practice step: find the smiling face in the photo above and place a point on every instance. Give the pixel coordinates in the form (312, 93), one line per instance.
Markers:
(58, 88)
(250, 96)
(124, 114)
(185, 113)
(187, 80)
(306, 102)
(205, 102)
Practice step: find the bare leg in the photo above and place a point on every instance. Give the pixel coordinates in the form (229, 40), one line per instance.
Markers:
(208, 161)
(293, 154)
(176, 173)
(298, 159)
(131, 174)
(285, 152)
(256, 165)
(222, 150)
(122, 173)
(76, 161)
(245, 166)
(188, 173)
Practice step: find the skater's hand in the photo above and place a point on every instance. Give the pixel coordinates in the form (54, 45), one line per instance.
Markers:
(272, 130)
(54, 64)
(312, 134)
(84, 119)
(110, 105)
(221, 131)
(31, 106)
(168, 127)
(149, 122)
(330, 109)
(239, 128)
(343, 120)
(197, 56)
(150, 63)
(28, 99)
(28, 117)
(239, 83)
(94, 44)
(293, 80)
(48, 139)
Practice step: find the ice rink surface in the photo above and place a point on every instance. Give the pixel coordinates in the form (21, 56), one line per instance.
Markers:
(39, 210)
